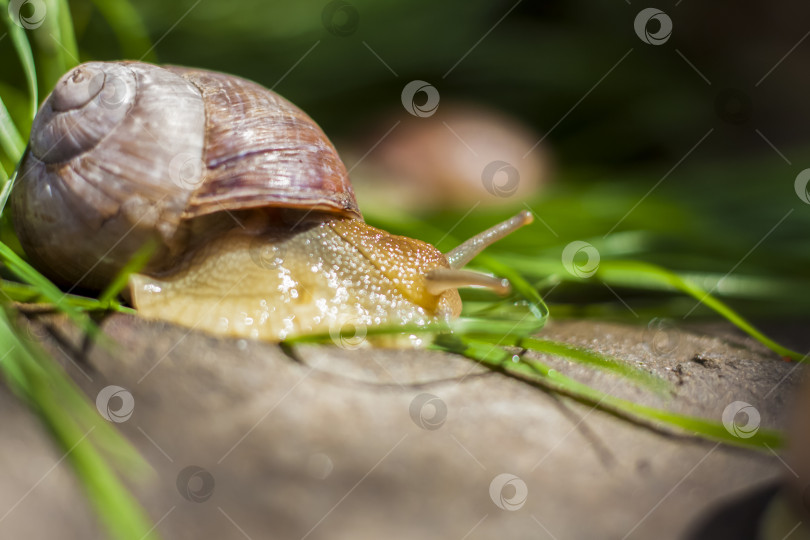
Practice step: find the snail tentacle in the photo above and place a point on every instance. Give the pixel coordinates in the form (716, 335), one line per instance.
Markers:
(443, 279)
(466, 251)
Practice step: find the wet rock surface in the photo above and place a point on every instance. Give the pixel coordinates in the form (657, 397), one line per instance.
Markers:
(324, 442)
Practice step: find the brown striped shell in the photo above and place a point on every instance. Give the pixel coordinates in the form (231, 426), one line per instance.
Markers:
(124, 152)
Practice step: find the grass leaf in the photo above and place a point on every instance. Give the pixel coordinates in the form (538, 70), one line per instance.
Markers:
(66, 36)
(51, 292)
(129, 29)
(23, 48)
(55, 44)
(21, 292)
(78, 430)
(609, 270)
(580, 355)
(11, 142)
(8, 184)
(135, 264)
(546, 377)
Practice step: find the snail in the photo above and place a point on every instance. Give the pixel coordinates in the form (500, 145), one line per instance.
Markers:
(258, 231)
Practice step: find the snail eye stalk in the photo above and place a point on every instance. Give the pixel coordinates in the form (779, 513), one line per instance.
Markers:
(442, 279)
(466, 251)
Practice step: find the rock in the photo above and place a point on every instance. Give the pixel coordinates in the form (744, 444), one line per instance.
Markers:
(322, 442)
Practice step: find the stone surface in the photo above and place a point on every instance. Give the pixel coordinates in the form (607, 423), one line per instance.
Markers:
(323, 442)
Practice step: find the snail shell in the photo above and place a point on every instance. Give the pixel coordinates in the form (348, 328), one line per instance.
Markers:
(124, 152)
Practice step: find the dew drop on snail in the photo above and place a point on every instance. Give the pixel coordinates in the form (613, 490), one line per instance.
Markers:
(152, 288)
(223, 324)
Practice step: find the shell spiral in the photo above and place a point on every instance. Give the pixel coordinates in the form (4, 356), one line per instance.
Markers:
(124, 152)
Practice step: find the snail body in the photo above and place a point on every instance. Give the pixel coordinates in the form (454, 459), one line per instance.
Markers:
(326, 274)
(257, 227)
(122, 152)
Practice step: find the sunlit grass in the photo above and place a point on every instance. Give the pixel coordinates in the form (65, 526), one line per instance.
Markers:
(97, 452)
(544, 376)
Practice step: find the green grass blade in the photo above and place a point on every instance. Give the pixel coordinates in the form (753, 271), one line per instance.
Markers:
(67, 36)
(8, 184)
(51, 292)
(134, 265)
(23, 48)
(610, 271)
(587, 357)
(758, 287)
(519, 284)
(505, 328)
(11, 142)
(56, 50)
(76, 428)
(637, 274)
(506, 324)
(349, 331)
(542, 375)
(22, 292)
(128, 27)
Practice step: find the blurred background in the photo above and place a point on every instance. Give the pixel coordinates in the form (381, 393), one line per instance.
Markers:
(674, 134)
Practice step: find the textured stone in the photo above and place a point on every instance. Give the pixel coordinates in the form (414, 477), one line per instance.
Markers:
(322, 442)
